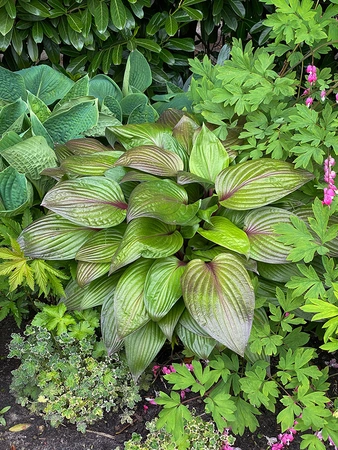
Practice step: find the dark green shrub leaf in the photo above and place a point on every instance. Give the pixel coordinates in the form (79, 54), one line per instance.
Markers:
(101, 17)
(171, 25)
(118, 14)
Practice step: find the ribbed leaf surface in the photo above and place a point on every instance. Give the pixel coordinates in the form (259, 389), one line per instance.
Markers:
(220, 297)
(199, 345)
(163, 286)
(253, 184)
(95, 164)
(52, 237)
(16, 193)
(163, 200)
(188, 322)
(149, 238)
(281, 273)
(264, 246)
(169, 322)
(102, 246)
(109, 327)
(152, 159)
(130, 311)
(142, 347)
(87, 272)
(96, 202)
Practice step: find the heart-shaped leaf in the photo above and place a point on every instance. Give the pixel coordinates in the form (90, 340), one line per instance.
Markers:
(149, 238)
(130, 311)
(96, 202)
(220, 297)
(223, 232)
(163, 286)
(52, 237)
(253, 184)
(259, 227)
(163, 200)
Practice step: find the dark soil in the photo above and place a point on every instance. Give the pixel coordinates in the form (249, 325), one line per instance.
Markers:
(107, 434)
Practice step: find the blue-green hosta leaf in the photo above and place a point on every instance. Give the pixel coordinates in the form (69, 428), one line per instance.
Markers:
(72, 119)
(208, 156)
(137, 73)
(38, 129)
(109, 327)
(38, 107)
(90, 295)
(102, 246)
(163, 286)
(12, 86)
(223, 232)
(132, 101)
(152, 159)
(9, 139)
(114, 107)
(95, 164)
(253, 184)
(259, 227)
(79, 89)
(142, 347)
(169, 322)
(220, 297)
(46, 83)
(12, 115)
(148, 238)
(102, 86)
(30, 156)
(130, 311)
(52, 237)
(199, 345)
(96, 202)
(16, 193)
(163, 200)
(143, 114)
(281, 273)
(86, 272)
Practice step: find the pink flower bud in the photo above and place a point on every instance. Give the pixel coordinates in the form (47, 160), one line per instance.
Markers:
(323, 95)
(309, 101)
(337, 97)
(312, 78)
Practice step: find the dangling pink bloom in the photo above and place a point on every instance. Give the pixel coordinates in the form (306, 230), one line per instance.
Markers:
(323, 95)
(145, 408)
(312, 78)
(337, 97)
(306, 92)
(311, 69)
(309, 101)
(329, 176)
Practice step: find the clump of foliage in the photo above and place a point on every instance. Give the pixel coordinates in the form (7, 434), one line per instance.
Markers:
(199, 435)
(65, 373)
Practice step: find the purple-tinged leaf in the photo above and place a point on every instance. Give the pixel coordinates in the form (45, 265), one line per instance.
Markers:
(199, 345)
(102, 246)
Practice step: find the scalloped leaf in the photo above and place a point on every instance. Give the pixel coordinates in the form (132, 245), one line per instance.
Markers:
(142, 347)
(259, 227)
(163, 286)
(130, 311)
(54, 238)
(220, 297)
(163, 200)
(223, 232)
(96, 202)
(253, 184)
(152, 159)
(148, 238)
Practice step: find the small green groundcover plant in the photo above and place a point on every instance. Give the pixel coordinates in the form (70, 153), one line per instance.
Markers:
(65, 372)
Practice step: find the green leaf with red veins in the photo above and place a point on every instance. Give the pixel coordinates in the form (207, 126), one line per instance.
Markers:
(86, 272)
(94, 164)
(223, 232)
(208, 156)
(163, 200)
(142, 347)
(53, 238)
(95, 202)
(253, 184)
(102, 246)
(220, 297)
(149, 238)
(162, 286)
(184, 131)
(153, 160)
(130, 311)
(259, 227)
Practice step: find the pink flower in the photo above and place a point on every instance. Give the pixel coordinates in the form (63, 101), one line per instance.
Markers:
(337, 97)
(306, 92)
(145, 408)
(323, 95)
(329, 176)
(286, 314)
(151, 401)
(172, 368)
(311, 69)
(277, 446)
(312, 78)
(155, 369)
(190, 367)
(309, 101)
(166, 370)
(182, 395)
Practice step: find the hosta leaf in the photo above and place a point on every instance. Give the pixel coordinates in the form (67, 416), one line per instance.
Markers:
(52, 237)
(30, 156)
(163, 200)
(101, 86)
(184, 131)
(281, 273)
(11, 116)
(223, 232)
(132, 101)
(12, 86)
(82, 146)
(109, 327)
(163, 286)
(95, 164)
(259, 227)
(188, 322)
(142, 347)
(137, 73)
(130, 311)
(79, 89)
(102, 246)
(152, 159)
(208, 156)
(188, 178)
(96, 202)
(86, 272)
(135, 135)
(38, 129)
(148, 238)
(220, 297)
(16, 194)
(257, 183)
(46, 83)
(199, 345)
(169, 322)
(90, 295)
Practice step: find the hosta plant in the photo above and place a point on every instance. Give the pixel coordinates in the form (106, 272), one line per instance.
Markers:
(167, 238)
